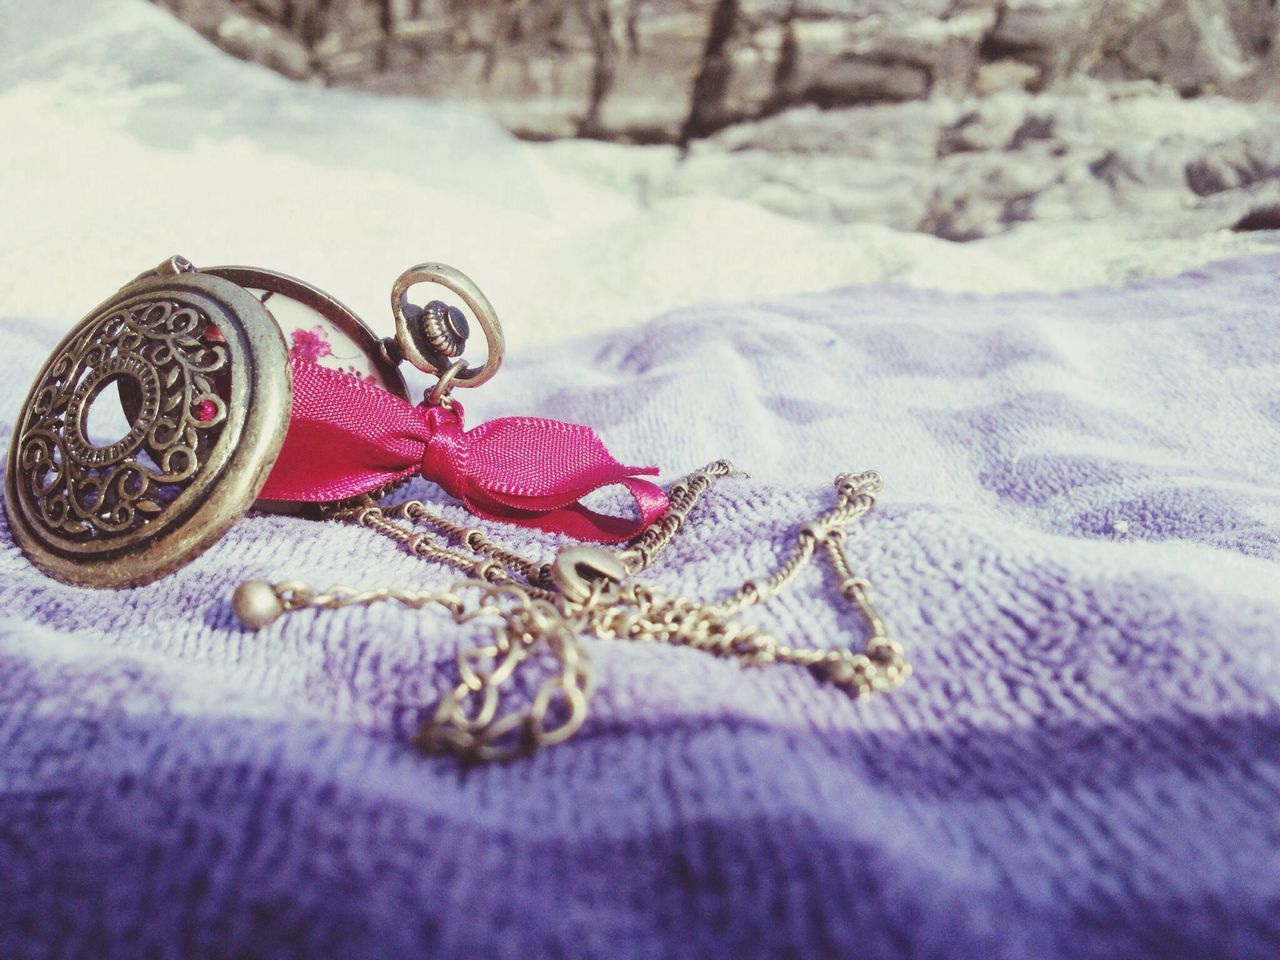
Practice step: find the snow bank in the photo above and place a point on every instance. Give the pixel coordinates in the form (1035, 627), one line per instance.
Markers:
(128, 138)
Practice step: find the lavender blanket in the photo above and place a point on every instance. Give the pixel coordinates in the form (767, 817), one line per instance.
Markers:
(1079, 544)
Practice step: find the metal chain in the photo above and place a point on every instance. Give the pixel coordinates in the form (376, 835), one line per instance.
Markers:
(542, 610)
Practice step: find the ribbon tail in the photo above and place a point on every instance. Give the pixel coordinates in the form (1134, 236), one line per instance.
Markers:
(347, 437)
(575, 519)
(535, 472)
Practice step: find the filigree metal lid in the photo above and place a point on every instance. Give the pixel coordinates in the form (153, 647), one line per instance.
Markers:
(202, 378)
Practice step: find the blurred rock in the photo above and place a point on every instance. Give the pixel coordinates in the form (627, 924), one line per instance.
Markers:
(1237, 163)
(960, 118)
(251, 39)
(971, 167)
(665, 70)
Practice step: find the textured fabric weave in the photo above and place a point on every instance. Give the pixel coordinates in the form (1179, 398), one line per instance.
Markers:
(1078, 543)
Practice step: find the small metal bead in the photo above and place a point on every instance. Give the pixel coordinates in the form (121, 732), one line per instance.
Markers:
(256, 604)
(815, 530)
(884, 650)
(854, 671)
(855, 588)
(488, 570)
(629, 624)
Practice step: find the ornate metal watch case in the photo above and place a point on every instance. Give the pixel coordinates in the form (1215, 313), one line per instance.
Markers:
(200, 367)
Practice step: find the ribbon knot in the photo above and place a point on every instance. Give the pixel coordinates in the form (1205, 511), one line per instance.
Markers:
(347, 437)
(444, 461)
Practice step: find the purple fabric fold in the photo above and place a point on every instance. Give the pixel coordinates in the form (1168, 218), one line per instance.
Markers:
(1078, 544)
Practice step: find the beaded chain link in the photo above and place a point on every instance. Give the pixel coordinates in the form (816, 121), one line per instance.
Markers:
(541, 610)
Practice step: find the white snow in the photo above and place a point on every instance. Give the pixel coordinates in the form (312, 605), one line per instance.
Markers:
(127, 138)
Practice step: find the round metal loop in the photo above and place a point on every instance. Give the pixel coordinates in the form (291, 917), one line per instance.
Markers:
(412, 340)
(439, 394)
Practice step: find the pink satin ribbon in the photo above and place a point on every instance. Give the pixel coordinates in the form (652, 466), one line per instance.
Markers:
(347, 437)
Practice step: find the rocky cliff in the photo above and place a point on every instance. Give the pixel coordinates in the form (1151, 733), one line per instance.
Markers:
(955, 117)
(668, 70)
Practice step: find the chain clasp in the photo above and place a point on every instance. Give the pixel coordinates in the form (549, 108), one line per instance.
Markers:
(575, 569)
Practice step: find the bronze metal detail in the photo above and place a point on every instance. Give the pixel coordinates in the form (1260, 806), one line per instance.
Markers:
(203, 376)
(540, 612)
(328, 306)
(419, 336)
(445, 328)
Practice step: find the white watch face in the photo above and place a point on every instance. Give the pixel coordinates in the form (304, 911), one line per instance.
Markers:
(310, 335)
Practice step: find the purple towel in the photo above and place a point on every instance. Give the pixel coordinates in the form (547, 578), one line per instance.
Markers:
(1078, 543)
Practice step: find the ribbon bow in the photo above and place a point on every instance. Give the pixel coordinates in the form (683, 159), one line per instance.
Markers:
(347, 437)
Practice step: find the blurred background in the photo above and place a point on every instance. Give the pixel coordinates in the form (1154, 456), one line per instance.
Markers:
(595, 162)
